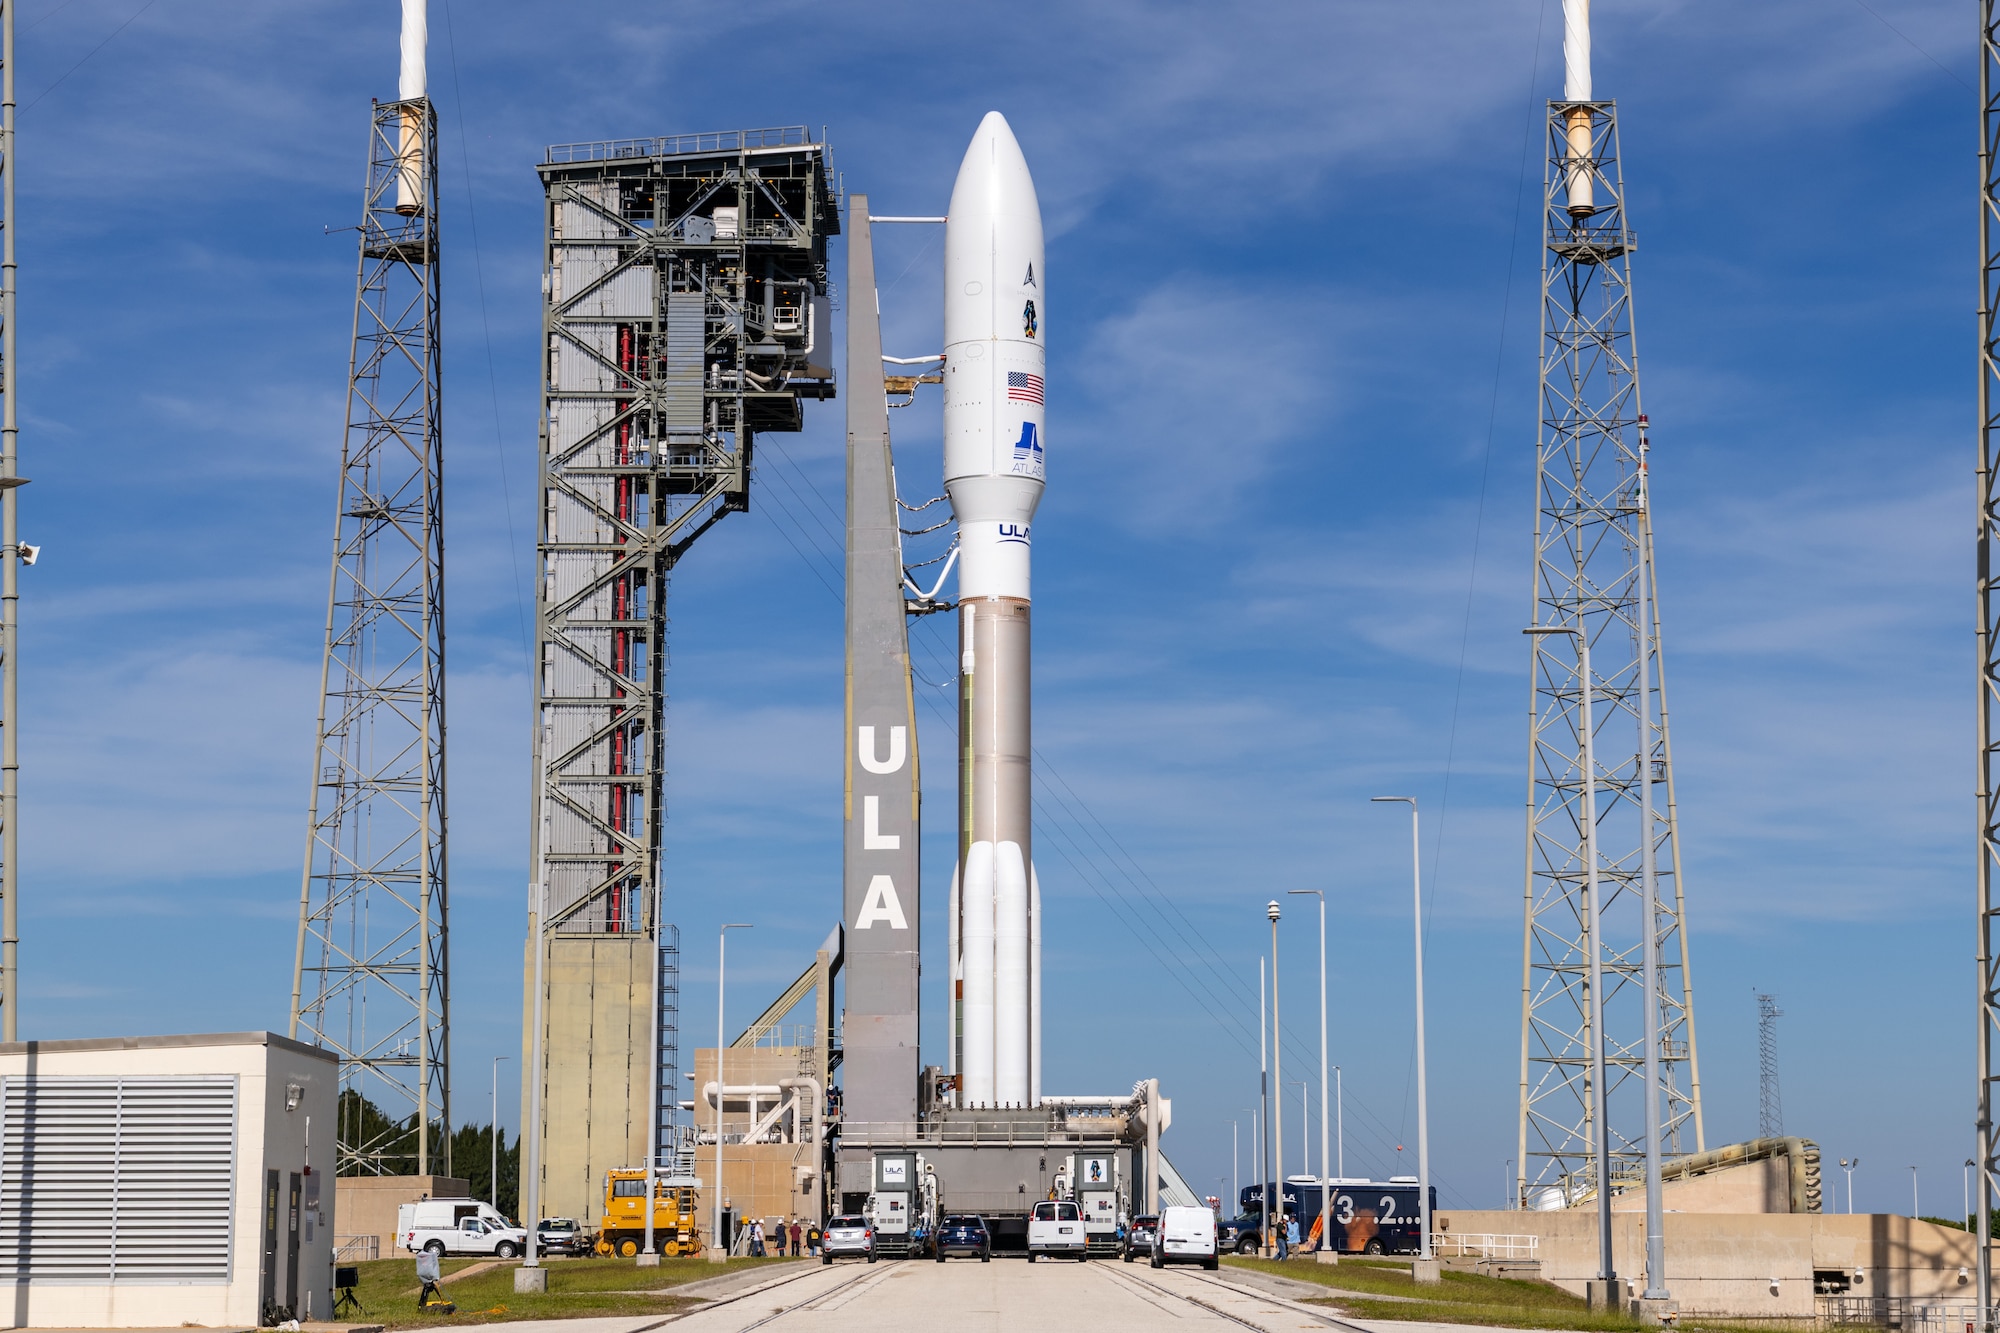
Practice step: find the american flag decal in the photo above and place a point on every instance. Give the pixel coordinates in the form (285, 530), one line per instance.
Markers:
(1023, 387)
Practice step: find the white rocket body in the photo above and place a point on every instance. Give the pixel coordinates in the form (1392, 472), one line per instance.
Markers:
(994, 420)
(412, 86)
(1576, 88)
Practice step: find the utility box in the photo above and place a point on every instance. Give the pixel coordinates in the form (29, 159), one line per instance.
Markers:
(161, 1181)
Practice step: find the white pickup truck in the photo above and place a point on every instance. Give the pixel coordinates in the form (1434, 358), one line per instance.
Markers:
(458, 1226)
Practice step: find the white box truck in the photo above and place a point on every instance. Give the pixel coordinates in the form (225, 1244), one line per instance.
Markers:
(458, 1226)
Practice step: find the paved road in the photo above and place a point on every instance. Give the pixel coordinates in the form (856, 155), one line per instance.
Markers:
(1008, 1296)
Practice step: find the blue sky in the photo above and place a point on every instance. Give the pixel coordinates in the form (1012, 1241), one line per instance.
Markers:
(1283, 555)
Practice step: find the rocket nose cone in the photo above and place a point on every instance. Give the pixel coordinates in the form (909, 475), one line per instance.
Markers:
(993, 176)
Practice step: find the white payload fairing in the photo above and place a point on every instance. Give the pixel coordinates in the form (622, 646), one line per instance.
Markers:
(994, 336)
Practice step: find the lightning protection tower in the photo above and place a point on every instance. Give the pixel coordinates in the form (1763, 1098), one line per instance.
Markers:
(1770, 1106)
(1594, 577)
(370, 981)
(686, 312)
(1988, 631)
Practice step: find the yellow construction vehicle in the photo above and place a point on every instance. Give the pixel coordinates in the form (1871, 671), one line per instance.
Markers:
(623, 1231)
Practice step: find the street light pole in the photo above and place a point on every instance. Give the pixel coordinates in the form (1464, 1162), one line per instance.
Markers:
(493, 1136)
(1848, 1164)
(1600, 1101)
(1915, 1212)
(716, 1253)
(1423, 1103)
(1263, 1155)
(1277, 1075)
(1325, 1185)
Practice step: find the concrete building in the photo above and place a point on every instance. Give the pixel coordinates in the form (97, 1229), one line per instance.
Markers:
(772, 1100)
(157, 1181)
(366, 1206)
(1749, 1265)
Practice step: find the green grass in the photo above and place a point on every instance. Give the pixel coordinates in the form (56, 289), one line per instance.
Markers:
(1470, 1298)
(1462, 1298)
(577, 1287)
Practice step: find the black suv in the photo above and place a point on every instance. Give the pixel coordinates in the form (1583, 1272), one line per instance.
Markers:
(966, 1235)
(1141, 1236)
(1244, 1235)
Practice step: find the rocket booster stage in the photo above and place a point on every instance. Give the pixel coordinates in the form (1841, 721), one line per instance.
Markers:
(993, 467)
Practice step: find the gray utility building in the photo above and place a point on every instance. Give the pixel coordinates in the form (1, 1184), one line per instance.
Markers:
(157, 1181)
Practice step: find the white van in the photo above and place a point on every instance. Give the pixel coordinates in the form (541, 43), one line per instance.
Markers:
(1056, 1228)
(458, 1226)
(1185, 1236)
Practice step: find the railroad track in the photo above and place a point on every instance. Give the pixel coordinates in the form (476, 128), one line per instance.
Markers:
(860, 1278)
(1287, 1309)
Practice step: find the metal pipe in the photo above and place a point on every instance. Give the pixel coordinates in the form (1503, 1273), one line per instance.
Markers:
(716, 1252)
(1264, 1100)
(1277, 1072)
(1656, 1244)
(1423, 1101)
(1325, 1187)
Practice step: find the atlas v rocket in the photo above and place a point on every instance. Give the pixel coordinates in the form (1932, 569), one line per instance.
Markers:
(994, 336)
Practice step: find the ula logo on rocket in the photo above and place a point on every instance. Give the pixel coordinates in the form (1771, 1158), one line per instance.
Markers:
(1014, 532)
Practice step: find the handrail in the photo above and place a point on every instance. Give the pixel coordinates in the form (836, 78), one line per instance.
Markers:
(1484, 1245)
(676, 145)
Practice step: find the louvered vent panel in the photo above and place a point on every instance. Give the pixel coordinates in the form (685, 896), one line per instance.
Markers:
(117, 1179)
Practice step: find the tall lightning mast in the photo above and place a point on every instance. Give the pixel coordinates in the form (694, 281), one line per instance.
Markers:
(1594, 573)
(1988, 641)
(12, 556)
(370, 981)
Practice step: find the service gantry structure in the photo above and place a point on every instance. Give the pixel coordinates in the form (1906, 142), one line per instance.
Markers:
(686, 312)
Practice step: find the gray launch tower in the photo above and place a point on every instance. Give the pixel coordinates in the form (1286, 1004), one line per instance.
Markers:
(1594, 574)
(686, 313)
(369, 981)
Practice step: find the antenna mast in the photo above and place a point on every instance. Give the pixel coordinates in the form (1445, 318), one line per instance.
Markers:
(1594, 572)
(370, 980)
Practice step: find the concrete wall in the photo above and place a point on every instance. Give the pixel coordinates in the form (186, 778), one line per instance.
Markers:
(367, 1204)
(1748, 1187)
(269, 1135)
(595, 1067)
(1727, 1264)
(767, 1180)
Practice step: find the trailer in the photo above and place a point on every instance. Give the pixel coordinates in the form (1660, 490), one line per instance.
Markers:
(1369, 1216)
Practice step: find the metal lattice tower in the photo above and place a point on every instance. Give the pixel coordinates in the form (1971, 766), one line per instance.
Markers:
(1593, 545)
(12, 556)
(1988, 638)
(1770, 1106)
(371, 979)
(686, 312)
